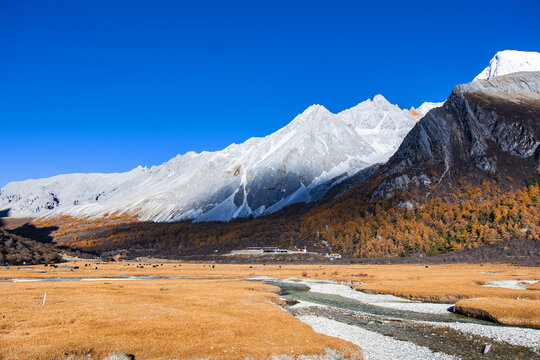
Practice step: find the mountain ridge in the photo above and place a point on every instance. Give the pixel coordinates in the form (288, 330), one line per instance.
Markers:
(300, 162)
(281, 168)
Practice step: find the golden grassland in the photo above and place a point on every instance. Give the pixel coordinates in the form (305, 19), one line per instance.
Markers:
(438, 283)
(535, 286)
(449, 283)
(505, 311)
(219, 316)
(158, 319)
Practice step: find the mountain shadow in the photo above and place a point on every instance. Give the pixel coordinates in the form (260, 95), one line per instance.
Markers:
(39, 234)
(3, 213)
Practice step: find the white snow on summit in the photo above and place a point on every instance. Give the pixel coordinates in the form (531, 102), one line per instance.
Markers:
(511, 61)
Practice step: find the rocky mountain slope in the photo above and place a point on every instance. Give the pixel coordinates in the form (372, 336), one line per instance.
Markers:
(466, 175)
(298, 163)
(485, 127)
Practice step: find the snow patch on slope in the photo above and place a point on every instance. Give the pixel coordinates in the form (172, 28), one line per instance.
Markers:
(423, 109)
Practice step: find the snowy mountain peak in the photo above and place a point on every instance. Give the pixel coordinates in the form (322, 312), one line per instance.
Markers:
(315, 110)
(381, 100)
(511, 61)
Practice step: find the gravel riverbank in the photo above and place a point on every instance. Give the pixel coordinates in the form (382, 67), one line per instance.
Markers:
(389, 327)
(387, 301)
(375, 345)
(512, 335)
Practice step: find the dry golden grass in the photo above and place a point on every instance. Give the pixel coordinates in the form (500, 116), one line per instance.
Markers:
(504, 311)
(439, 283)
(448, 283)
(157, 319)
(535, 286)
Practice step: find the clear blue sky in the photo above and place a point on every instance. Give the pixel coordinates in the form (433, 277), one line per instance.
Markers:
(104, 86)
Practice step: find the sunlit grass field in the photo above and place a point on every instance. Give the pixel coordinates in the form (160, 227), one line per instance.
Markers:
(157, 319)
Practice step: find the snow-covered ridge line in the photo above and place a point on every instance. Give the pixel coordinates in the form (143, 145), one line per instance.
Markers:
(297, 163)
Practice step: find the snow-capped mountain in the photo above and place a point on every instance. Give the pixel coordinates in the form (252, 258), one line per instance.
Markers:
(298, 163)
(510, 61)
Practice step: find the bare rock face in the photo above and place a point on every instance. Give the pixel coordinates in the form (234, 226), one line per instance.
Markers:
(487, 126)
